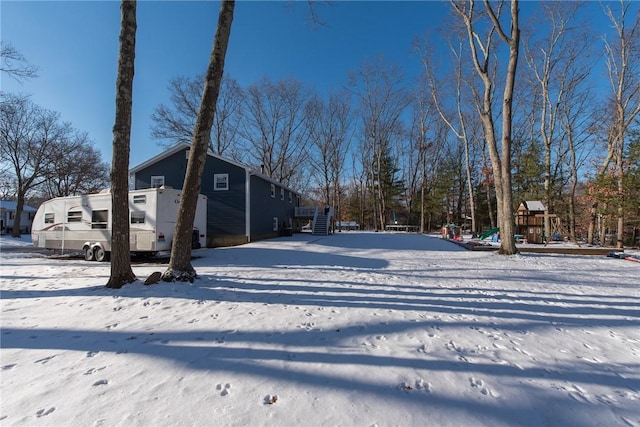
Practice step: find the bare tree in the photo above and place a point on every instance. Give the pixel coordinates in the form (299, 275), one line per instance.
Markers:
(458, 120)
(382, 99)
(121, 272)
(180, 267)
(74, 166)
(7, 183)
(27, 133)
(481, 54)
(275, 127)
(576, 119)
(329, 126)
(14, 63)
(175, 123)
(555, 61)
(623, 64)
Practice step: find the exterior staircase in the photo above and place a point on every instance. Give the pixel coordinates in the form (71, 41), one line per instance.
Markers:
(321, 226)
(321, 218)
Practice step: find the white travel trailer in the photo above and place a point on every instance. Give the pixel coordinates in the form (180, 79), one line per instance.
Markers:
(83, 223)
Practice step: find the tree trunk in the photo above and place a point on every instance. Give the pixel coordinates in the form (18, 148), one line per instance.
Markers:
(620, 233)
(180, 267)
(121, 272)
(15, 232)
(472, 204)
(508, 243)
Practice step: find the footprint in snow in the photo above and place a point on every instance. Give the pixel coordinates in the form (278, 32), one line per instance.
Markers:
(479, 384)
(418, 385)
(44, 360)
(93, 370)
(45, 412)
(224, 390)
(100, 382)
(11, 366)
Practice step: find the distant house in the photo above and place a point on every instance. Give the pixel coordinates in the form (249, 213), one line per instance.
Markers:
(243, 205)
(347, 225)
(8, 215)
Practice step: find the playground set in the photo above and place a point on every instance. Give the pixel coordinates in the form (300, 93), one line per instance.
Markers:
(529, 225)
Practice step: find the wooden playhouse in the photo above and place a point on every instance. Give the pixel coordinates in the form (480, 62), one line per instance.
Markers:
(530, 222)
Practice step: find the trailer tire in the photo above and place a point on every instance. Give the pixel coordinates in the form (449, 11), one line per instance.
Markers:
(89, 254)
(100, 254)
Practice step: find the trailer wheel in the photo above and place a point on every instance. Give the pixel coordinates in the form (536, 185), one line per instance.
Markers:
(88, 253)
(100, 254)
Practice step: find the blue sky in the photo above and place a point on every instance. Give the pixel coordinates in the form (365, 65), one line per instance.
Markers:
(75, 44)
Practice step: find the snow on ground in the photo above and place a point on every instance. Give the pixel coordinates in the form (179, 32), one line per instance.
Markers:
(353, 329)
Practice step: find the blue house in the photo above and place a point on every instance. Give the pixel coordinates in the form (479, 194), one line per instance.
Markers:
(8, 217)
(243, 204)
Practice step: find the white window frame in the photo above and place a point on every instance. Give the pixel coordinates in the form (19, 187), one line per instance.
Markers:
(275, 223)
(100, 219)
(74, 216)
(155, 179)
(140, 199)
(282, 194)
(273, 191)
(138, 217)
(219, 177)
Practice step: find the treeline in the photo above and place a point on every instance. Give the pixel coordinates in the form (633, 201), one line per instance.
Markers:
(504, 110)
(386, 149)
(43, 156)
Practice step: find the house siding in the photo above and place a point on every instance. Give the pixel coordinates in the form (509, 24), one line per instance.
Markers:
(173, 168)
(265, 208)
(226, 209)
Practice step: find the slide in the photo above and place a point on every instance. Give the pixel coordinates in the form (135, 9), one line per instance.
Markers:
(489, 233)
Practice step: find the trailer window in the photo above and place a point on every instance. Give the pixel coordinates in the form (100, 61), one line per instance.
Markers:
(74, 216)
(140, 199)
(99, 219)
(49, 218)
(137, 217)
(282, 194)
(273, 190)
(290, 197)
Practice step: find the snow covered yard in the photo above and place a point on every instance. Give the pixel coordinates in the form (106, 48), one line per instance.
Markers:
(353, 329)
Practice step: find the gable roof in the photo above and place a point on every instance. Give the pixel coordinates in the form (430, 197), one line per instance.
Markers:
(10, 205)
(534, 205)
(183, 145)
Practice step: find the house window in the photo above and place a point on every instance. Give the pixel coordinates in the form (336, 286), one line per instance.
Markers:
(99, 219)
(49, 218)
(139, 199)
(275, 223)
(273, 190)
(74, 216)
(220, 182)
(137, 217)
(282, 194)
(10, 214)
(290, 197)
(157, 181)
